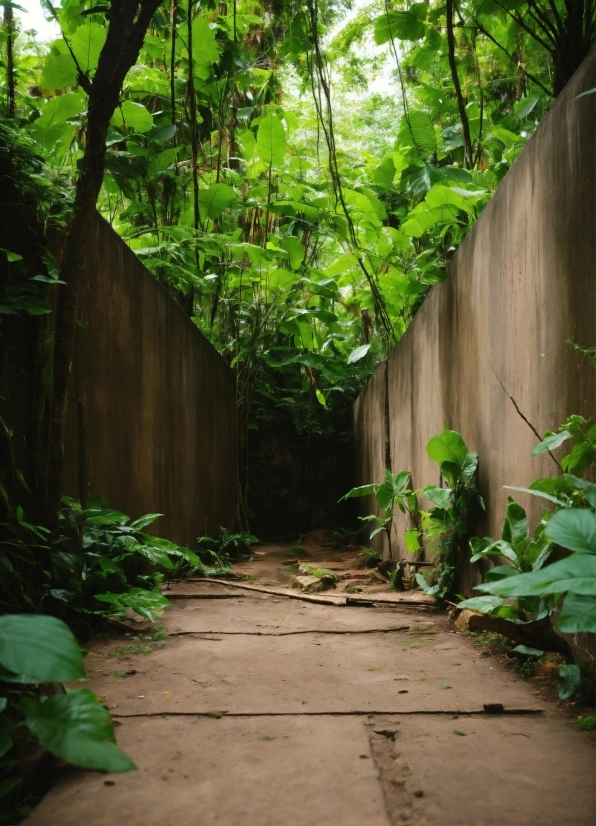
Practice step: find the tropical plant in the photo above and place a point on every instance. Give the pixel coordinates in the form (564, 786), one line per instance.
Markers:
(448, 525)
(98, 565)
(530, 588)
(229, 545)
(393, 491)
(36, 653)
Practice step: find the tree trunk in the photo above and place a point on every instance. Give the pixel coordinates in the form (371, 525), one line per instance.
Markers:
(10, 32)
(128, 22)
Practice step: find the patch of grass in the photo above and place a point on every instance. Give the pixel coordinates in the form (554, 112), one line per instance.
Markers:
(524, 668)
(481, 637)
(444, 685)
(295, 550)
(268, 737)
(586, 723)
(216, 715)
(351, 589)
(320, 573)
(117, 674)
(405, 768)
(459, 733)
(142, 645)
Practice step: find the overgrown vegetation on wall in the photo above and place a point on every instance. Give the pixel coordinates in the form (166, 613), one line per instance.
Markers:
(299, 219)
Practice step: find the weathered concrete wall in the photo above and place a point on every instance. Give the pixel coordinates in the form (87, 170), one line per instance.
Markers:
(520, 286)
(151, 415)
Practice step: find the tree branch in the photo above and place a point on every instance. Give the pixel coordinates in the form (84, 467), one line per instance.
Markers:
(469, 152)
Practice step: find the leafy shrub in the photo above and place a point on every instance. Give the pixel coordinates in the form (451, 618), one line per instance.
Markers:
(34, 652)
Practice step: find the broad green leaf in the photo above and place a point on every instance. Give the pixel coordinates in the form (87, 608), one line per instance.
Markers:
(143, 521)
(441, 497)
(361, 208)
(448, 446)
(321, 398)
(59, 72)
(77, 728)
(417, 129)
(528, 651)
(445, 196)
(468, 469)
(484, 546)
(485, 605)
(52, 123)
(525, 106)
(358, 353)
(204, 47)
(386, 495)
(41, 647)
(148, 604)
(551, 442)
(577, 574)
(215, 199)
(295, 248)
(344, 263)
(500, 572)
(400, 25)
(574, 528)
(385, 173)
(580, 458)
(363, 490)
(411, 540)
(577, 615)
(87, 43)
(131, 115)
(515, 526)
(271, 140)
(571, 680)
(155, 556)
(541, 494)
(105, 516)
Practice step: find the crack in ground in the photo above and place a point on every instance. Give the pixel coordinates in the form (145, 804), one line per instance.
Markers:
(366, 713)
(290, 633)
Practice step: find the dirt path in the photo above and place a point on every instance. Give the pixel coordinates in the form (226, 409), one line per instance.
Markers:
(258, 710)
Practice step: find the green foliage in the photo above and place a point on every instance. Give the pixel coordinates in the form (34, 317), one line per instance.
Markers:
(445, 526)
(230, 545)
(101, 564)
(531, 581)
(393, 491)
(448, 525)
(587, 723)
(583, 437)
(36, 650)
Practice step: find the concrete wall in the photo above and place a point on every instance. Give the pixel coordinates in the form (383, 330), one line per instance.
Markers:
(520, 285)
(151, 416)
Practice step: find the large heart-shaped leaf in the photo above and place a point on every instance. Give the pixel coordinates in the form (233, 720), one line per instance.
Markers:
(41, 647)
(87, 43)
(59, 72)
(574, 528)
(448, 446)
(271, 140)
(53, 121)
(215, 199)
(131, 115)
(576, 574)
(76, 727)
(400, 25)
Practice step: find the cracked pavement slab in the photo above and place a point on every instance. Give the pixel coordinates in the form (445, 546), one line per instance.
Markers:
(351, 716)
